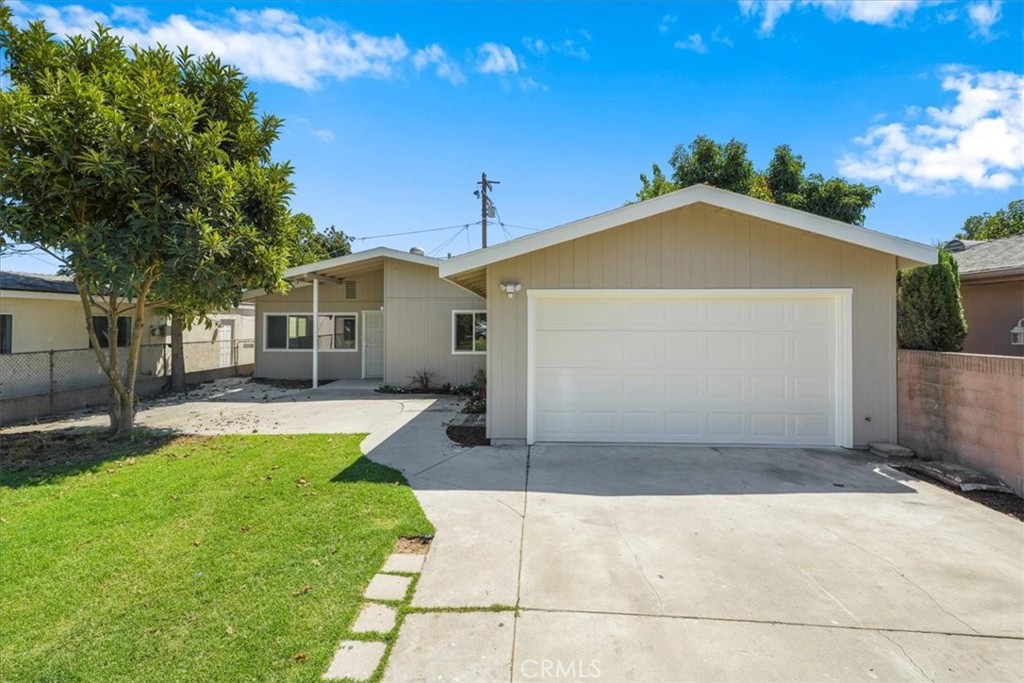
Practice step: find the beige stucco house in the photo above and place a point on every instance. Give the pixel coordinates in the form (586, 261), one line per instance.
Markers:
(381, 314)
(992, 291)
(699, 316)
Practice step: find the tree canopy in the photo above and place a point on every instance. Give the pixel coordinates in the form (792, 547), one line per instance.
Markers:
(1003, 223)
(317, 245)
(783, 181)
(147, 173)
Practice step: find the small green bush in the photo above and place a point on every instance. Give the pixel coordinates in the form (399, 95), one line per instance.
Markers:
(929, 312)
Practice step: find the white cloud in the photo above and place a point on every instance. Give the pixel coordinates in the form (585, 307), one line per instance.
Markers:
(880, 12)
(268, 44)
(567, 47)
(434, 55)
(666, 22)
(770, 12)
(494, 58)
(976, 142)
(324, 134)
(983, 16)
(693, 43)
(535, 45)
(717, 37)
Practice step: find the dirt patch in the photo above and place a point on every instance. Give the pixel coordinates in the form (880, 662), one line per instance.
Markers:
(1007, 503)
(413, 545)
(468, 436)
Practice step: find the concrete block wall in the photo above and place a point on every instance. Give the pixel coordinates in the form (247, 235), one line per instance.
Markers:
(965, 408)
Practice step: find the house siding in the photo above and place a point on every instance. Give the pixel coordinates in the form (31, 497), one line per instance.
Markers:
(45, 324)
(700, 247)
(992, 310)
(281, 364)
(418, 325)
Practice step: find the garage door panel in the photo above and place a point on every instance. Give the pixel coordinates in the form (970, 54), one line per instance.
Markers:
(678, 369)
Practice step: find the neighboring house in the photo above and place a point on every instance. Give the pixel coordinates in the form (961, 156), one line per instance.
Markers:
(42, 312)
(699, 316)
(382, 314)
(992, 289)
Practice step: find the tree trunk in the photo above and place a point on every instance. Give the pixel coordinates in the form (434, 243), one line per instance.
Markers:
(177, 354)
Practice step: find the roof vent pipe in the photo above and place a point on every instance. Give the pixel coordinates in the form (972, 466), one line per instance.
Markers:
(418, 251)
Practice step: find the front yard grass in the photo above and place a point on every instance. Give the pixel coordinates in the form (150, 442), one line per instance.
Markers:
(188, 559)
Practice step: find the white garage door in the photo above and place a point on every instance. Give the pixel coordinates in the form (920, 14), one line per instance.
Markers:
(757, 366)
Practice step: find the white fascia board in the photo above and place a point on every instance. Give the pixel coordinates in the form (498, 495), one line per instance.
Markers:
(908, 250)
(357, 257)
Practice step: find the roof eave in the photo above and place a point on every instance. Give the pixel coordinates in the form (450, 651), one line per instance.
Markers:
(909, 253)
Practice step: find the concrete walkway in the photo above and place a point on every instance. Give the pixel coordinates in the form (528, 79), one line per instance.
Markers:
(649, 563)
(242, 406)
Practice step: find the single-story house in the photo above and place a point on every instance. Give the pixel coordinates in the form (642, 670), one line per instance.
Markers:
(43, 312)
(699, 316)
(382, 314)
(992, 290)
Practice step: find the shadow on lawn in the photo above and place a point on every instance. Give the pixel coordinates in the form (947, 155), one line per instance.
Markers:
(41, 457)
(365, 470)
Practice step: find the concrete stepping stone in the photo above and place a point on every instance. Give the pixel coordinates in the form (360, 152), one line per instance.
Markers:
(404, 562)
(387, 587)
(356, 660)
(953, 474)
(375, 618)
(890, 450)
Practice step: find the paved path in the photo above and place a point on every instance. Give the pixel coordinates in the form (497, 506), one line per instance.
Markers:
(652, 563)
(241, 406)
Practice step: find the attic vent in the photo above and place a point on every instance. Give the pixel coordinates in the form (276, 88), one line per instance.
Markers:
(955, 245)
(350, 289)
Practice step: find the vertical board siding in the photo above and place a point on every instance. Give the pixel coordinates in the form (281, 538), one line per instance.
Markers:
(333, 364)
(700, 247)
(418, 307)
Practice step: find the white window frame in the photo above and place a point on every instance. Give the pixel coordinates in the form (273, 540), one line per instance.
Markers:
(474, 312)
(332, 315)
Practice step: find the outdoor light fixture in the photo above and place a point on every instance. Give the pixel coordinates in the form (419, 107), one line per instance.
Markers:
(1017, 334)
(510, 288)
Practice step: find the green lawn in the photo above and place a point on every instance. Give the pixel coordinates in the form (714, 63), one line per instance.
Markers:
(233, 558)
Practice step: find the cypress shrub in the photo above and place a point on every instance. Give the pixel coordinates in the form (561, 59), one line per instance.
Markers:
(929, 313)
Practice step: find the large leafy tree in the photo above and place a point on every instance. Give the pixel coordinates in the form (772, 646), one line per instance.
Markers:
(146, 173)
(929, 312)
(317, 245)
(783, 181)
(1003, 223)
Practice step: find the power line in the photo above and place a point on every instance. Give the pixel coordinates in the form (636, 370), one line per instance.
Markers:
(448, 241)
(413, 232)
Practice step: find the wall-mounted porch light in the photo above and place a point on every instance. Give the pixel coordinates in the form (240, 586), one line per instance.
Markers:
(510, 288)
(1017, 334)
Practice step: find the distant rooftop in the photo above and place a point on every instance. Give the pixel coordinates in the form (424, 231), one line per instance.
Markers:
(37, 282)
(992, 255)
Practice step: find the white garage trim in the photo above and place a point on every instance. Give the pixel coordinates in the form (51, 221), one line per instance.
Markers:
(843, 299)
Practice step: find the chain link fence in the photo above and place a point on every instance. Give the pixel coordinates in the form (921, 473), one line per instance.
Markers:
(35, 373)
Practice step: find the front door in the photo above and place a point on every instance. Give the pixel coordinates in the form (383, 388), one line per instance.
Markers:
(373, 344)
(226, 339)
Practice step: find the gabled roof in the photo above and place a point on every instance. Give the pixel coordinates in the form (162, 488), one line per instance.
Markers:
(37, 282)
(346, 266)
(359, 257)
(992, 257)
(908, 253)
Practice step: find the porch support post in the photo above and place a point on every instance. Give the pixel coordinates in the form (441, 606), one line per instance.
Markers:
(316, 332)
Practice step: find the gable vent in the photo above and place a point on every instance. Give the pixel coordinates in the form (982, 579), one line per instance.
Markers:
(350, 289)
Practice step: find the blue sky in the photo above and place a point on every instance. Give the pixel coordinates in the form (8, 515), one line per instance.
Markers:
(393, 110)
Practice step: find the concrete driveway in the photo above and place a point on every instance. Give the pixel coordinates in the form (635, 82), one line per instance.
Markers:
(652, 563)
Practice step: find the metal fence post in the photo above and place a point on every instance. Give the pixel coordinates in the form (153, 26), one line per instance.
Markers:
(53, 382)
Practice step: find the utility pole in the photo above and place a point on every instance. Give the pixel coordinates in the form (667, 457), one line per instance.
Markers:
(486, 205)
